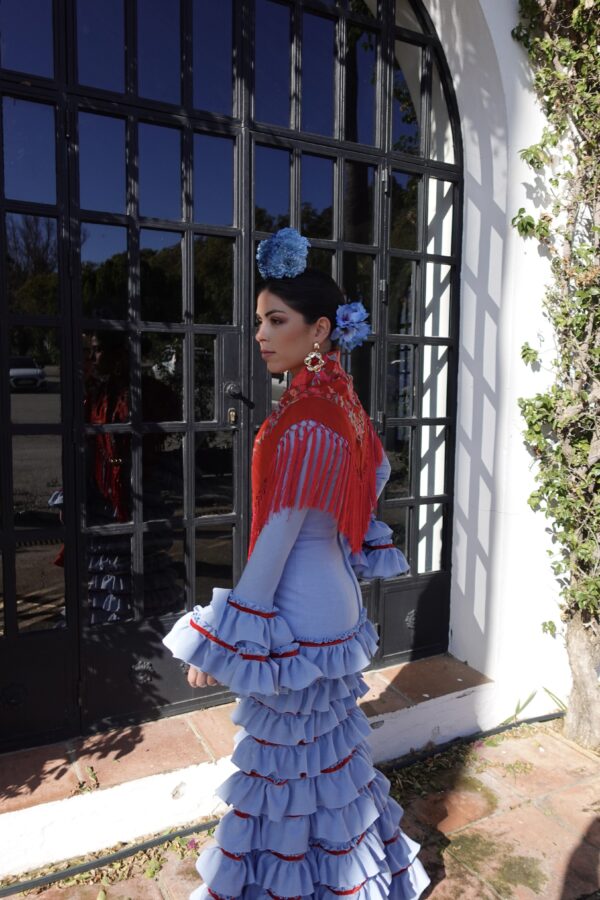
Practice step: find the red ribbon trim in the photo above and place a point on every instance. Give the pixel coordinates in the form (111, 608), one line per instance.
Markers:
(254, 656)
(325, 643)
(266, 778)
(347, 893)
(339, 765)
(283, 655)
(378, 546)
(242, 815)
(392, 839)
(341, 852)
(212, 637)
(231, 855)
(253, 612)
(400, 871)
(296, 858)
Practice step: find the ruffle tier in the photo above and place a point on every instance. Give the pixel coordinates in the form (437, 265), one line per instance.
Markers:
(379, 557)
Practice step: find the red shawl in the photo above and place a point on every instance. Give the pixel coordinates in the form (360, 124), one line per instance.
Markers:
(328, 398)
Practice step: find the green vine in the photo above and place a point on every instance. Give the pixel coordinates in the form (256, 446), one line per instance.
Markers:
(562, 39)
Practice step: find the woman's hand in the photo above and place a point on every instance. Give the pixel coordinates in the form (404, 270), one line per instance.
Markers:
(199, 679)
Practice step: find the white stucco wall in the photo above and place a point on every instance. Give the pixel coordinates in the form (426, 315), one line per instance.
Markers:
(502, 583)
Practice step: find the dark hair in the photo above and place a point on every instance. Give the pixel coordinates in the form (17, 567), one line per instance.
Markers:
(313, 293)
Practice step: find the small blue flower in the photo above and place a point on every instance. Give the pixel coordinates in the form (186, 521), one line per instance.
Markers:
(352, 327)
(283, 255)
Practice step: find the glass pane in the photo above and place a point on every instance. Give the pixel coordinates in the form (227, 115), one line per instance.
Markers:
(271, 188)
(108, 478)
(438, 286)
(204, 377)
(361, 81)
(439, 217)
(399, 521)
(405, 16)
(272, 37)
(31, 264)
(321, 259)
(109, 596)
(160, 172)
(34, 374)
(29, 151)
(405, 211)
(101, 44)
(317, 196)
(162, 377)
(101, 163)
(213, 280)
(398, 444)
(435, 381)
(160, 276)
(162, 479)
(213, 53)
(1, 599)
(361, 369)
(429, 541)
(159, 53)
(214, 473)
(400, 377)
(106, 377)
(214, 562)
(442, 145)
(213, 180)
(104, 271)
(358, 278)
(37, 474)
(27, 36)
(40, 579)
(164, 572)
(318, 79)
(406, 99)
(433, 460)
(358, 202)
(401, 301)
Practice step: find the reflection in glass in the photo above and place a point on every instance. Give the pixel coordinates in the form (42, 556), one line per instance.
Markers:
(272, 63)
(358, 277)
(106, 389)
(214, 472)
(29, 151)
(34, 375)
(317, 196)
(25, 46)
(405, 16)
(406, 98)
(441, 143)
(401, 295)
(439, 217)
(358, 202)
(159, 54)
(429, 540)
(399, 387)
(164, 571)
(40, 586)
(101, 163)
(435, 381)
(162, 478)
(204, 377)
(318, 84)
(104, 271)
(162, 377)
(433, 460)
(438, 285)
(109, 581)
(160, 172)
(366, 8)
(37, 474)
(213, 280)
(405, 206)
(399, 521)
(361, 369)
(31, 264)
(321, 259)
(361, 81)
(271, 188)
(398, 443)
(213, 52)
(213, 180)
(214, 561)
(108, 477)
(160, 276)
(101, 44)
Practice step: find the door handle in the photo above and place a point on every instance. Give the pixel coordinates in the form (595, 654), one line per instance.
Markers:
(233, 390)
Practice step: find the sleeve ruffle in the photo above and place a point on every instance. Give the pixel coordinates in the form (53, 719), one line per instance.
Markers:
(378, 558)
(244, 646)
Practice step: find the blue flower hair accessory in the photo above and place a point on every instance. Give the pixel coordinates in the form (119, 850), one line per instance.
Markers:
(351, 325)
(283, 255)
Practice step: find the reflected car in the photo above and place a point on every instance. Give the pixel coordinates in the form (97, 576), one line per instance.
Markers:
(24, 374)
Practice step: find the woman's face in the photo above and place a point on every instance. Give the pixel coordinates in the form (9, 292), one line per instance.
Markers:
(284, 336)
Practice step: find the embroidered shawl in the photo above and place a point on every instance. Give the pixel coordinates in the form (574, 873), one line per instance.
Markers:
(339, 473)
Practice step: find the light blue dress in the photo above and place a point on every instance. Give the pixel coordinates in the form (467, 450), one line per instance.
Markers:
(310, 815)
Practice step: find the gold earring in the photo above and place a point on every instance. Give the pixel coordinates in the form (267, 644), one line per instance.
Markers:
(314, 362)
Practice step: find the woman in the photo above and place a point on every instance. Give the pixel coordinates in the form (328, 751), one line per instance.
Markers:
(311, 817)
